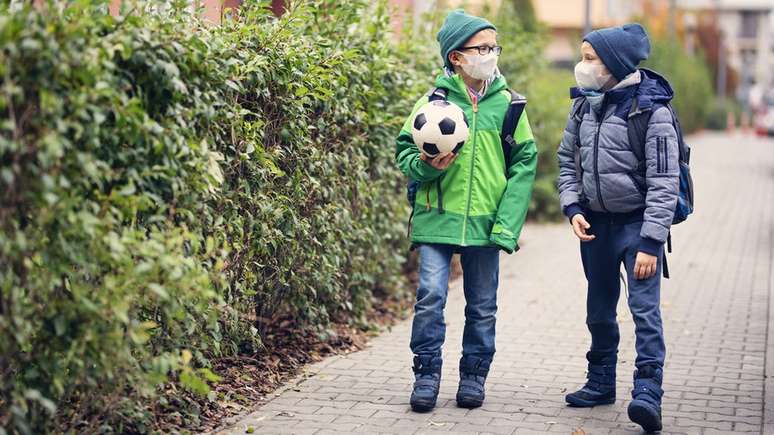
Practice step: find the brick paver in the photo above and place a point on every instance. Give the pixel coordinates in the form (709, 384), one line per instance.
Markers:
(715, 308)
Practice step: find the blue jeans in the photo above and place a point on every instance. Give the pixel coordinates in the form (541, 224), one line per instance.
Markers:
(618, 242)
(481, 267)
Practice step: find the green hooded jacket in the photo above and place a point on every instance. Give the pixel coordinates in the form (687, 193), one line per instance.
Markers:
(475, 201)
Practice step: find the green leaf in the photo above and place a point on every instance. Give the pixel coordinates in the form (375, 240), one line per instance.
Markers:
(159, 290)
(36, 396)
(213, 167)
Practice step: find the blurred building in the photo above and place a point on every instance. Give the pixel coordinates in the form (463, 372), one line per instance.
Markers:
(213, 10)
(746, 40)
(566, 20)
(404, 10)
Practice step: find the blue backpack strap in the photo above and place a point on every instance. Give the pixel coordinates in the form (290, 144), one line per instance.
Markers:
(685, 200)
(512, 115)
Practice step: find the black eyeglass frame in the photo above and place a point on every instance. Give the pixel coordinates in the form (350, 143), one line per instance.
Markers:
(484, 49)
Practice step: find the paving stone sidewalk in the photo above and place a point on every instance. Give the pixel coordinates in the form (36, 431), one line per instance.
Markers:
(715, 307)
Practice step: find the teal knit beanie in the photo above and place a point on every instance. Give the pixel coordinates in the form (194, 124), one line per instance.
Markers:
(458, 28)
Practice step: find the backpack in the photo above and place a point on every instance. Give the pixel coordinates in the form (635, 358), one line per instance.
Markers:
(636, 130)
(512, 115)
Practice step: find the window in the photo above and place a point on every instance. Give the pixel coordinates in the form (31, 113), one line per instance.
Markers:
(748, 24)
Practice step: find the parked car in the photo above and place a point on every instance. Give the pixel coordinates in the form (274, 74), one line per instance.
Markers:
(764, 116)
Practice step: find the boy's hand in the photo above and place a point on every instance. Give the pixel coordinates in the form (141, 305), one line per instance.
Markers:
(645, 265)
(440, 162)
(579, 226)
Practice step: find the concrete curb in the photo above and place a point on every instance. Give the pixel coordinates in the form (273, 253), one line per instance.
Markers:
(768, 374)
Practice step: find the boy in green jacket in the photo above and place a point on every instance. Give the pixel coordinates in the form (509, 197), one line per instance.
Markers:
(473, 203)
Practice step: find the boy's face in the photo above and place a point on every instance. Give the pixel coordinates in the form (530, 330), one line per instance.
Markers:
(588, 55)
(486, 37)
(591, 73)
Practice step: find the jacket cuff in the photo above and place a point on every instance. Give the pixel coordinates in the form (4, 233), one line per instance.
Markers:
(573, 209)
(504, 240)
(426, 170)
(650, 246)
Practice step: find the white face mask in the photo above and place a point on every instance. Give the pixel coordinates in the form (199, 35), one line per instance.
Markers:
(591, 76)
(480, 67)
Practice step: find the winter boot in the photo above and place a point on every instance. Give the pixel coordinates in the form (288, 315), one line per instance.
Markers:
(427, 375)
(645, 408)
(473, 372)
(600, 387)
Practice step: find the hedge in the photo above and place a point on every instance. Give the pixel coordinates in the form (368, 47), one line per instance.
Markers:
(168, 187)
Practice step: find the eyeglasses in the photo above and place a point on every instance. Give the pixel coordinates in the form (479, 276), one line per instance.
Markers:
(485, 49)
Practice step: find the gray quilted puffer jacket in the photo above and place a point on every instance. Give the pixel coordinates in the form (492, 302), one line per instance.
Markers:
(598, 170)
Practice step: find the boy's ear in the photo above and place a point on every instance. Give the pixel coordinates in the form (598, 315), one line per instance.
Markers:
(454, 58)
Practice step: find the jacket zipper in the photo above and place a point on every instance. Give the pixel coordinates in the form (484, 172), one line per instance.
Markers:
(596, 156)
(474, 101)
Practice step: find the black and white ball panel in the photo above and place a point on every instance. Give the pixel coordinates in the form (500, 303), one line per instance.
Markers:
(439, 128)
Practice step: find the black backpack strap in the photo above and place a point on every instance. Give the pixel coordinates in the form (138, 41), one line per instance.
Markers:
(637, 132)
(436, 94)
(512, 116)
(580, 107)
(411, 196)
(664, 265)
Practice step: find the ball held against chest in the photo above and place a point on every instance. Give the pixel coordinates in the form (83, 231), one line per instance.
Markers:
(439, 128)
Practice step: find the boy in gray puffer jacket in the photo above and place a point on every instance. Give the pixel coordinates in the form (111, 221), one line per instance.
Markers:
(620, 201)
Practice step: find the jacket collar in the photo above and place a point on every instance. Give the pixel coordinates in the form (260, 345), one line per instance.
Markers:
(456, 85)
(632, 79)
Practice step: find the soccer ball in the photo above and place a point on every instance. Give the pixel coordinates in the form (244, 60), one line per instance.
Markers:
(439, 128)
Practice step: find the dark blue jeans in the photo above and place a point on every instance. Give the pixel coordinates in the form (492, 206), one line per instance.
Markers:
(480, 268)
(617, 241)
